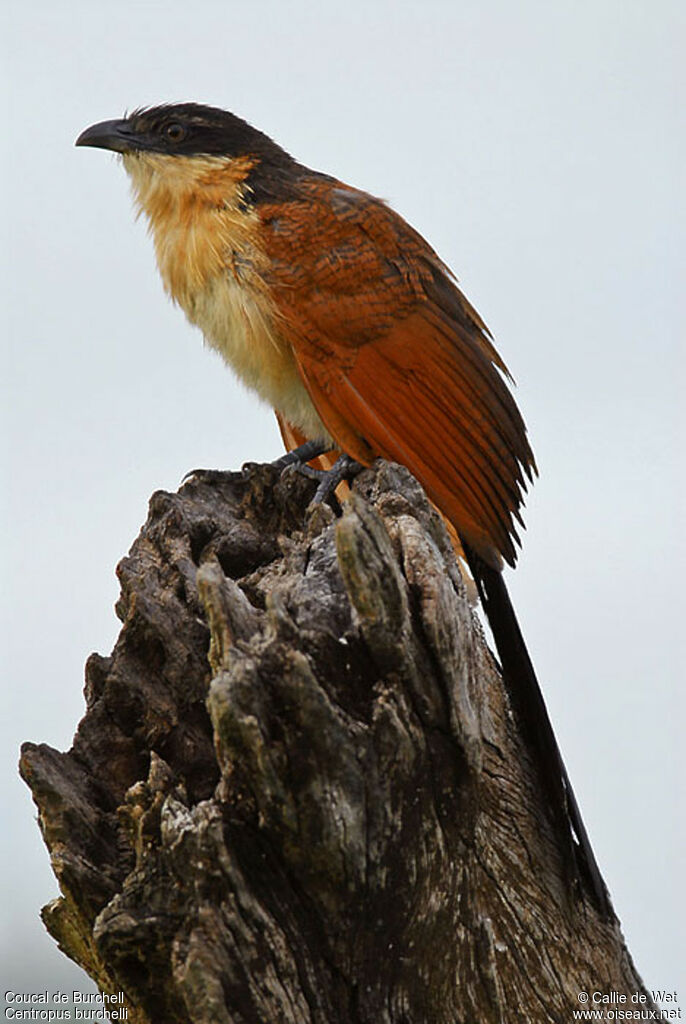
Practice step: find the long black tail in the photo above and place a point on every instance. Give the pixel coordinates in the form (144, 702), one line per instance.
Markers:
(532, 717)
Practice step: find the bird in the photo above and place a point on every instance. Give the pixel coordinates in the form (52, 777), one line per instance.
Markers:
(338, 314)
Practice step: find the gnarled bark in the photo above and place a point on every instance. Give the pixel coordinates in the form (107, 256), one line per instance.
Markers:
(298, 794)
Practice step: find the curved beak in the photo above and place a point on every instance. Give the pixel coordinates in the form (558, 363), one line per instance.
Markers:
(114, 135)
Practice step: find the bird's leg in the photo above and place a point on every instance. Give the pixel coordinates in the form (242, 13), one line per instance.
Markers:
(301, 455)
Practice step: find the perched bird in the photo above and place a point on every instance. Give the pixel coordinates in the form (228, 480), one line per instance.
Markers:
(341, 316)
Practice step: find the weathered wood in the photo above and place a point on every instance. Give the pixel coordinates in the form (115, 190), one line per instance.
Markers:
(298, 794)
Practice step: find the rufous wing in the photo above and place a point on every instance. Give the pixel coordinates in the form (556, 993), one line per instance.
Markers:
(396, 361)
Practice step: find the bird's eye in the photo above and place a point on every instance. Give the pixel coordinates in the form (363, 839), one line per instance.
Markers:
(175, 132)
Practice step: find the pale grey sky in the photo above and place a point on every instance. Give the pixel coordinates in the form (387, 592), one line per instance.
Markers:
(536, 145)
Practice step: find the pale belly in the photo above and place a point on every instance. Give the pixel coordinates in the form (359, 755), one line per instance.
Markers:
(242, 330)
(210, 265)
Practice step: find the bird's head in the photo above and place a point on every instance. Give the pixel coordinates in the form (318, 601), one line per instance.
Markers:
(180, 130)
(187, 149)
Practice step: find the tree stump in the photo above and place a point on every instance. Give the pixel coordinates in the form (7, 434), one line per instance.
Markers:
(298, 793)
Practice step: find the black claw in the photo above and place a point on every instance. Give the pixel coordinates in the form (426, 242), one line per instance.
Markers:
(209, 476)
(190, 473)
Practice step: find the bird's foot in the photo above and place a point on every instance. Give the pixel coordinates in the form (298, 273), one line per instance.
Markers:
(297, 461)
(299, 457)
(344, 468)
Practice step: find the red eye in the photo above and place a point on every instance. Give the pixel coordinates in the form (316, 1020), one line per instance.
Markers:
(175, 132)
